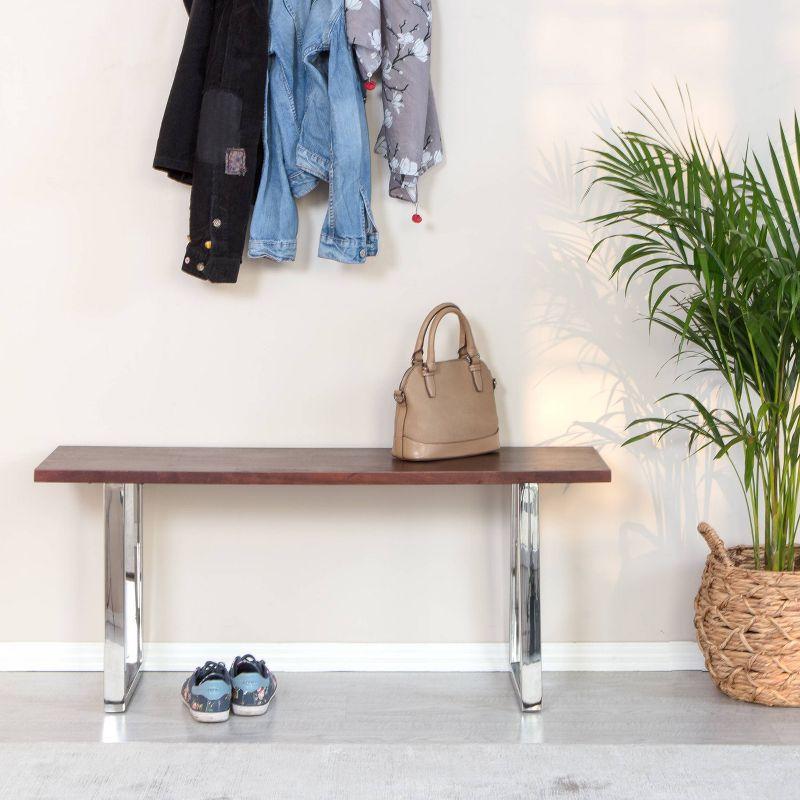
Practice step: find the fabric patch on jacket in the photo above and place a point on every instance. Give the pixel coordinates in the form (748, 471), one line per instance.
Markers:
(220, 125)
(235, 161)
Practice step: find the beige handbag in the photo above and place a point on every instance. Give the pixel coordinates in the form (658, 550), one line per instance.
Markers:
(445, 409)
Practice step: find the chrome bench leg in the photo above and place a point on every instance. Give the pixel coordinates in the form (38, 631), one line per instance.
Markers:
(122, 660)
(525, 637)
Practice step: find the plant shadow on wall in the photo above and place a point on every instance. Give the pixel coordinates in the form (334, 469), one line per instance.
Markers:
(582, 312)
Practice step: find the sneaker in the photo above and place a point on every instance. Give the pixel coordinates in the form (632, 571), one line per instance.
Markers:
(207, 692)
(253, 686)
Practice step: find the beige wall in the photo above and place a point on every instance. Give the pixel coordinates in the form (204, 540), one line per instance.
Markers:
(104, 341)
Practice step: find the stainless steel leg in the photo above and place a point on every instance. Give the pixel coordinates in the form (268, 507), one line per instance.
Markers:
(123, 650)
(525, 637)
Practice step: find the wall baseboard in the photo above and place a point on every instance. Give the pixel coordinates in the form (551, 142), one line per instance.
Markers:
(336, 657)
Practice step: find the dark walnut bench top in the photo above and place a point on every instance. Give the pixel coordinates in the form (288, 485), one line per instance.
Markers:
(254, 465)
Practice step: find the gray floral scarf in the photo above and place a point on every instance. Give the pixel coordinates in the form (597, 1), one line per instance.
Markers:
(395, 37)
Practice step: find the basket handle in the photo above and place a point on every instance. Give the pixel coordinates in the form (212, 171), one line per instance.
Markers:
(715, 544)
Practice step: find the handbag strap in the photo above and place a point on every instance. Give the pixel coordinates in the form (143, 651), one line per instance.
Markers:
(468, 351)
(471, 350)
(441, 309)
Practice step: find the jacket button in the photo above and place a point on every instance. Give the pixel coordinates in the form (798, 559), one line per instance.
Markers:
(201, 267)
(187, 260)
(362, 253)
(216, 222)
(207, 245)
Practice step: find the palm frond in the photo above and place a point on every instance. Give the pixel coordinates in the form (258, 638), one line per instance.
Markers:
(717, 248)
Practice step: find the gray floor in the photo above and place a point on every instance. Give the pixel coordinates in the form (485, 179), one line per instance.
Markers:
(247, 771)
(580, 708)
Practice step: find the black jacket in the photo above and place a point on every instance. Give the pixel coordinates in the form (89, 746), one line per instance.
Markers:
(211, 133)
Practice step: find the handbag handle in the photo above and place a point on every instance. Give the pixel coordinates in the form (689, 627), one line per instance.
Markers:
(416, 356)
(471, 350)
(471, 355)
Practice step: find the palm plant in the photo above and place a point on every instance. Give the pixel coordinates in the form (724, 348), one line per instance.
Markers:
(719, 250)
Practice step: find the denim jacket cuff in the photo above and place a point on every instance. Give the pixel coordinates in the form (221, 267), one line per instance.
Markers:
(313, 163)
(274, 249)
(348, 251)
(301, 183)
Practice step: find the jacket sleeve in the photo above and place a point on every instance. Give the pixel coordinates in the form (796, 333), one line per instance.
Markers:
(410, 137)
(178, 136)
(364, 34)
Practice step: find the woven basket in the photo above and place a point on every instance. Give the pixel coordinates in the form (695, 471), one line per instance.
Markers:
(748, 625)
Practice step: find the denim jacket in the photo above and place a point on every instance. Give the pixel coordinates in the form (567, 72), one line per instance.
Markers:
(326, 100)
(273, 229)
(211, 131)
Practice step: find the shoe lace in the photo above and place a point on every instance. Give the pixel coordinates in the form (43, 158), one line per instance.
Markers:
(210, 668)
(251, 660)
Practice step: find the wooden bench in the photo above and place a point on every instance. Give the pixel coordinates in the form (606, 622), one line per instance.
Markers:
(124, 470)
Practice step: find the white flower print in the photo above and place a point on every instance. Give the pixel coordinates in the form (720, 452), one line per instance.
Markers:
(393, 39)
(408, 167)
